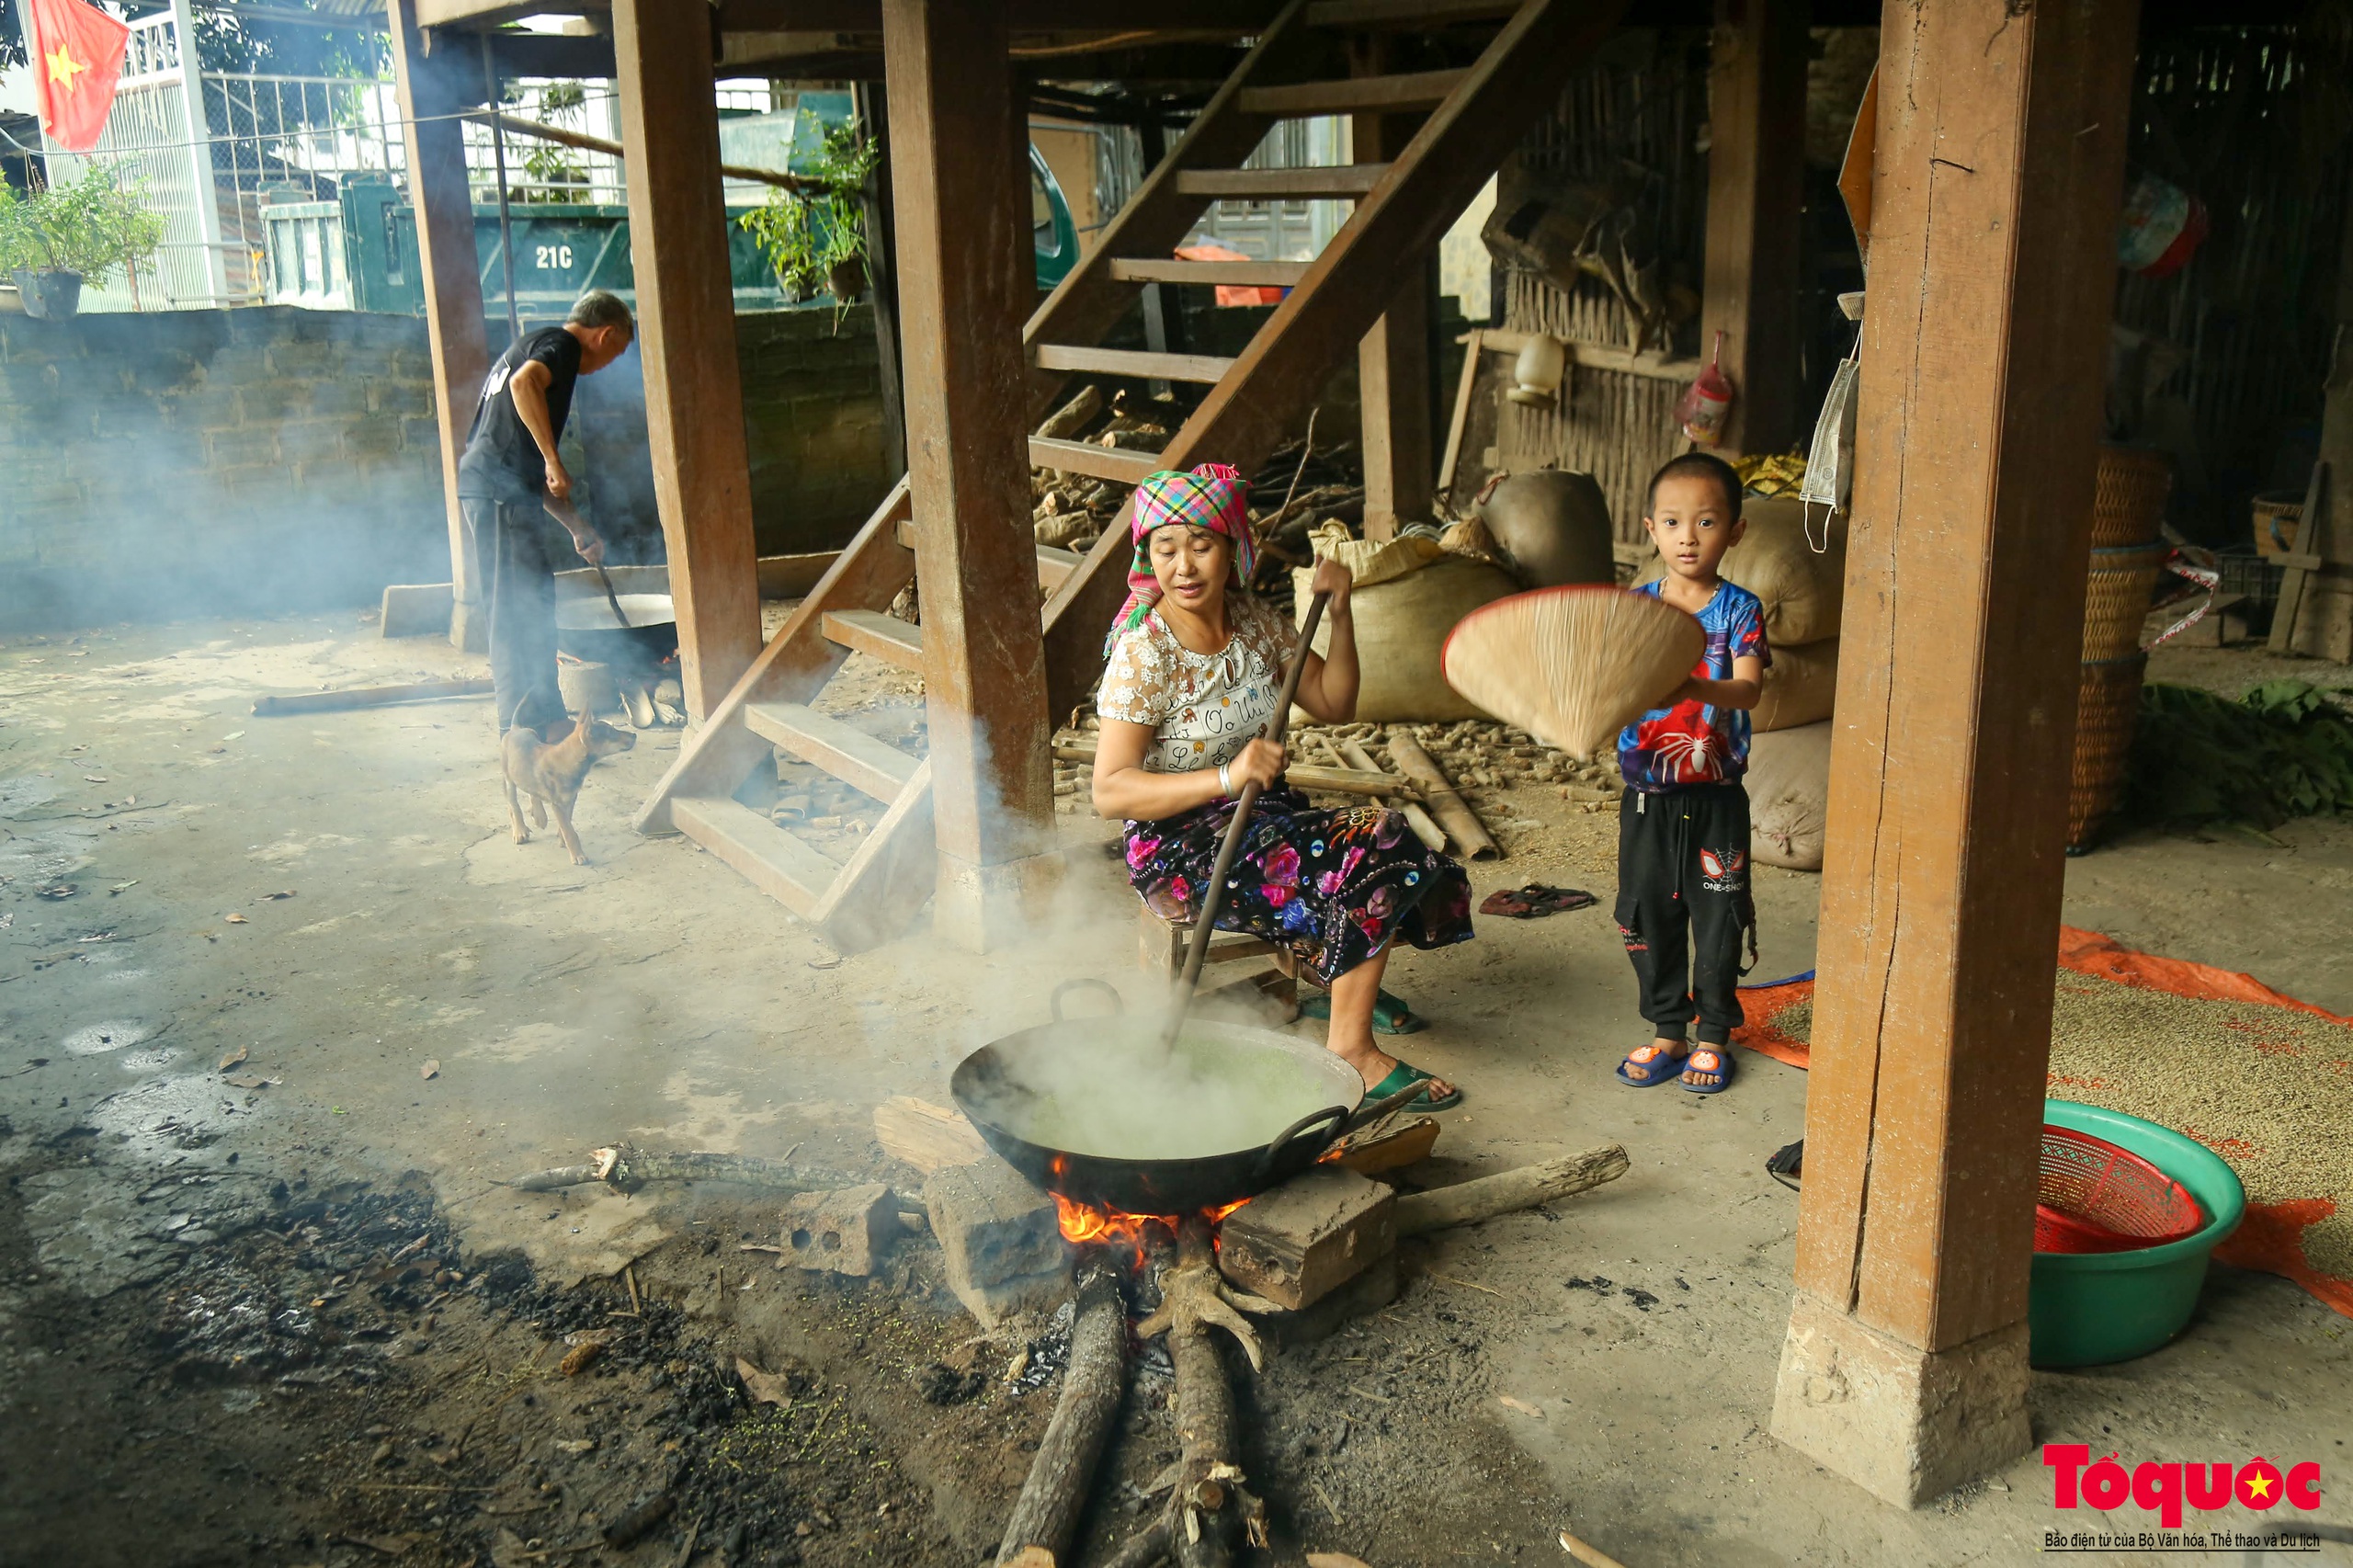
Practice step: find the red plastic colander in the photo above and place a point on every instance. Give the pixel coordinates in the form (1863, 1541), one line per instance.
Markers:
(2094, 1197)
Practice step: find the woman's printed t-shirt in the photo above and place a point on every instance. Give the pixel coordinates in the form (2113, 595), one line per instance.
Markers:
(1203, 708)
(1693, 741)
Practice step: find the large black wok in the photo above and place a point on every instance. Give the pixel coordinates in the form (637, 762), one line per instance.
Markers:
(585, 627)
(1092, 1109)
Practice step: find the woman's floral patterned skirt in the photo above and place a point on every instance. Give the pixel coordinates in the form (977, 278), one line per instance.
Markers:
(1334, 887)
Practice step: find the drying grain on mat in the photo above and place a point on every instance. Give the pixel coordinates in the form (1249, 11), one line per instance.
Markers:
(2269, 1088)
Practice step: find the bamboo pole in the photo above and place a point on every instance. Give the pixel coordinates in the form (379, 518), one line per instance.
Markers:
(1452, 812)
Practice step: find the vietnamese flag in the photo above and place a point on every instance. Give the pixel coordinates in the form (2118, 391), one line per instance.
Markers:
(77, 60)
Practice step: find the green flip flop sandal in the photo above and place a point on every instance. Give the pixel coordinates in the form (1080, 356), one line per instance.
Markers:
(1390, 1015)
(1404, 1076)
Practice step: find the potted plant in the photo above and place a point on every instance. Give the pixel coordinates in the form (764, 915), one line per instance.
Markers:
(814, 235)
(57, 239)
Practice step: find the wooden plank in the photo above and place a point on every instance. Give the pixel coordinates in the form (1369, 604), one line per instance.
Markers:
(686, 319)
(427, 94)
(1353, 95)
(1290, 359)
(1756, 208)
(881, 893)
(1461, 415)
(1657, 367)
(1393, 358)
(928, 1137)
(798, 661)
(880, 636)
(2291, 604)
(1256, 274)
(1089, 302)
(849, 753)
(1121, 465)
(1983, 364)
(1053, 566)
(1408, 15)
(1138, 363)
(1339, 182)
(791, 576)
(770, 858)
(958, 172)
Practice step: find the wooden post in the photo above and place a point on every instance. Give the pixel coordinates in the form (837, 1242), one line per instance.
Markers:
(881, 273)
(686, 330)
(1996, 189)
(1392, 359)
(1755, 203)
(966, 283)
(432, 88)
(2314, 617)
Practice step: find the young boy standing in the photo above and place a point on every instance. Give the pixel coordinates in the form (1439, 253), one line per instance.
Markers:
(1682, 898)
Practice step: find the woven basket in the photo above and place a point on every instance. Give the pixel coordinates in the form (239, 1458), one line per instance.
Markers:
(2129, 504)
(2116, 600)
(2107, 702)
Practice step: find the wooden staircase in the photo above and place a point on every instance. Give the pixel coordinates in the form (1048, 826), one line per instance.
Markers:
(1475, 116)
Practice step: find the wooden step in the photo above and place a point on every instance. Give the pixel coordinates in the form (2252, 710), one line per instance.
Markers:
(1053, 566)
(885, 637)
(1259, 274)
(1354, 94)
(1121, 465)
(847, 752)
(775, 863)
(1325, 182)
(1414, 16)
(1134, 362)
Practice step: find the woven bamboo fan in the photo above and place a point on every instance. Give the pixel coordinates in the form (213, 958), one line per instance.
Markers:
(1573, 666)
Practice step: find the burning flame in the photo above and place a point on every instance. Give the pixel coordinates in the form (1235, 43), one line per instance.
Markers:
(1085, 1222)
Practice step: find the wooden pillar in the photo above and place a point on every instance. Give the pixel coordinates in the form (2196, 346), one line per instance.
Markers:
(882, 274)
(1392, 359)
(1755, 205)
(686, 330)
(966, 283)
(2316, 613)
(431, 87)
(1996, 189)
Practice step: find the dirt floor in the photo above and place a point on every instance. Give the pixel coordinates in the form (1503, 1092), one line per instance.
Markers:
(287, 1310)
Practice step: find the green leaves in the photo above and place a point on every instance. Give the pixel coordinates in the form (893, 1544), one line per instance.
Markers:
(806, 237)
(95, 226)
(2284, 750)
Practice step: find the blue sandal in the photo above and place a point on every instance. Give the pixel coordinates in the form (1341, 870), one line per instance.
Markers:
(1721, 1070)
(1404, 1076)
(1660, 1069)
(1390, 1015)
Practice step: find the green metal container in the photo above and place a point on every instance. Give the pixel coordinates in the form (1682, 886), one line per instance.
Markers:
(2087, 1309)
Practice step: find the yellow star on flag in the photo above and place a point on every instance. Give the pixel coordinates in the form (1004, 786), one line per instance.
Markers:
(2259, 1488)
(63, 67)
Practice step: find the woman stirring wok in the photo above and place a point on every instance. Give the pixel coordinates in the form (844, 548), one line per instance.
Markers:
(1195, 670)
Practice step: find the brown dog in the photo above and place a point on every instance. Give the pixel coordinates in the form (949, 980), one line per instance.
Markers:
(551, 772)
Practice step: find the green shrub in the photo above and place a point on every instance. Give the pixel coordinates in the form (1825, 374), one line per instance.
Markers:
(97, 226)
(2283, 750)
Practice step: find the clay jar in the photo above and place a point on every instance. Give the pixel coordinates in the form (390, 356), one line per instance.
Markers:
(1555, 526)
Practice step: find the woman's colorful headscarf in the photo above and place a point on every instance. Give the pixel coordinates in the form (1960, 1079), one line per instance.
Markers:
(1213, 497)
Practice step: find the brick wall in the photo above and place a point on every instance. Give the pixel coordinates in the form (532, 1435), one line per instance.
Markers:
(194, 462)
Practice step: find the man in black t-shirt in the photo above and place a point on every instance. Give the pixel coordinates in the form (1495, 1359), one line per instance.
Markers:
(506, 479)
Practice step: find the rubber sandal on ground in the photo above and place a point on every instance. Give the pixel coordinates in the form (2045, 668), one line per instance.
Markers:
(1722, 1069)
(1660, 1069)
(1390, 1015)
(1404, 1076)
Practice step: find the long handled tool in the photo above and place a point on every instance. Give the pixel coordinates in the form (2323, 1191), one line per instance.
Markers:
(562, 513)
(1205, 922)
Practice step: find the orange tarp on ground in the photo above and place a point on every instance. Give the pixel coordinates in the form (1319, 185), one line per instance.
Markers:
(2270, 1237)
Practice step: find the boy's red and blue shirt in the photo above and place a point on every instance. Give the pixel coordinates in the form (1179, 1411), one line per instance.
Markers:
(1695, 743)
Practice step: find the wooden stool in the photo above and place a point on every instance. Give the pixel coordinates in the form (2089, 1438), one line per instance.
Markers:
(1160, 944)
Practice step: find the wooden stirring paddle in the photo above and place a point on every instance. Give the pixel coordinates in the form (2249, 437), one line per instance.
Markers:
(1205, 922)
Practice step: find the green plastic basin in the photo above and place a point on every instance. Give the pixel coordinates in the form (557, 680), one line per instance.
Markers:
(2085, 1309)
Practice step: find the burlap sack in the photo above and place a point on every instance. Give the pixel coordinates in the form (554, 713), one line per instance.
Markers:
(1801, 686)
(1789, 787)
(1401, 629)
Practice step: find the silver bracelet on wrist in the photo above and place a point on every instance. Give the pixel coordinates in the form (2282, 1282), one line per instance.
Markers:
(1225, 779)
